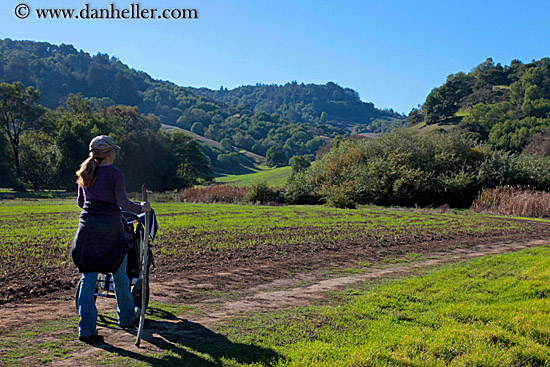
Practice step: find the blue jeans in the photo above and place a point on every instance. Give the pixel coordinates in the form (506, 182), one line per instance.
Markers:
(86, 302)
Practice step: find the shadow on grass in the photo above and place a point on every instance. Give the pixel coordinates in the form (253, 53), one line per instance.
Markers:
(185, 343)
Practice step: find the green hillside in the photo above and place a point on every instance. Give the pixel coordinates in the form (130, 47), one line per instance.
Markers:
(255, 121)
(248, 162)
(312, 103)
(506, 106)
(272, 176)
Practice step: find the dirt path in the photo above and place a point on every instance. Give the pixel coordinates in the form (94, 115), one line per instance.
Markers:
(207, 310)
(267, 298)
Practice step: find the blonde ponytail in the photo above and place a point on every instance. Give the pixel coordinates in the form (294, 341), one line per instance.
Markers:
(87, 173)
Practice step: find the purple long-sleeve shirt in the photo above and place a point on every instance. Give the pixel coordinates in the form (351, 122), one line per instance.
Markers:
(109, 186)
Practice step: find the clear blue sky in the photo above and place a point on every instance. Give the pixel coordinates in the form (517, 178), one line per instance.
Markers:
(392, 52)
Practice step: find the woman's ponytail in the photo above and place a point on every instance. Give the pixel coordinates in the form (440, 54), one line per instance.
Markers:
(87, 173)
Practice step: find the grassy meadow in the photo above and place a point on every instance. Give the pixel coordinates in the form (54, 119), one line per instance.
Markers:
(491, 311)
(274, 177)
(32, 229)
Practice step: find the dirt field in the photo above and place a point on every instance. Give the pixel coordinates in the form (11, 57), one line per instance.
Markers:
(232, 281)
(229, 270)
(218, 285)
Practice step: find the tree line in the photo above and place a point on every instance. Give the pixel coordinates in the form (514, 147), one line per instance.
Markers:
(42, 147)
(501, 136)
(310, 103)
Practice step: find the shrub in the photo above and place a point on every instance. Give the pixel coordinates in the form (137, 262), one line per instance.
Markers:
(339, 198)
(229, 159)
(299, 164)
(300, 190)
(157, 197)
(261, 192)
(403, 168)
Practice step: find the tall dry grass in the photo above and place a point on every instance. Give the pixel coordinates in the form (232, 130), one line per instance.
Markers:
(508, 200)
(157, 197)
(215, 194)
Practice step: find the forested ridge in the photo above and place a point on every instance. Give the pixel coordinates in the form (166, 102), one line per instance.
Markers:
(507, 106)
(307, 116)
(500, 119)
(61, 97)
(311, 103)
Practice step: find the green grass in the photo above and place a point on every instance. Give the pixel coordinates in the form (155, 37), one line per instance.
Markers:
(35, 230)
(492, 311)
(201, 227)
(42, 194)
(40, 343)
(273, 177)
(462, 113)
(422, 128)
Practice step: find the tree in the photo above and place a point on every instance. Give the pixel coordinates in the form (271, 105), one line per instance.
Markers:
(138, 136)
(7, 168)
(229, 159)
(299, 164)
(483, 117)
(443, 102)
(197, 128)
(39, 158)
(226, 144)
(19, 112)
(491, 74)
(276, 156)
(192, 165)
(416, 116)
(324, 117)
(75, 125)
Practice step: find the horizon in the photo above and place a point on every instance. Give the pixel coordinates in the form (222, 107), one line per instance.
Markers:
(393, 55)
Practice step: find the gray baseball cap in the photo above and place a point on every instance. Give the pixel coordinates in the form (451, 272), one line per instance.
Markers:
(103, 144)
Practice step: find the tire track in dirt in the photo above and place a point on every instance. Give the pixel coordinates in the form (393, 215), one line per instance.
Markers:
(301, 296)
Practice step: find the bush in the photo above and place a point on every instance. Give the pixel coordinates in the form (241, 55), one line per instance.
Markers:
(158, 197)
(300, 190)
(339, 198)
(229, 159)
(402, 168)
(261, 192)
(299, 164)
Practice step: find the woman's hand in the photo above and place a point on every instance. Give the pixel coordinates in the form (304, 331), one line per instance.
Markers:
(145, 206)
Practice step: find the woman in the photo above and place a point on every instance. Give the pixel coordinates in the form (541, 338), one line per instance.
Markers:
(101, 244)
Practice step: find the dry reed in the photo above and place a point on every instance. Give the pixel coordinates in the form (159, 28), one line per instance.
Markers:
(508, 200)
(215, 194)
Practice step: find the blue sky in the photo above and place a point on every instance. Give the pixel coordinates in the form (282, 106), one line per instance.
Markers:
(391, 52)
